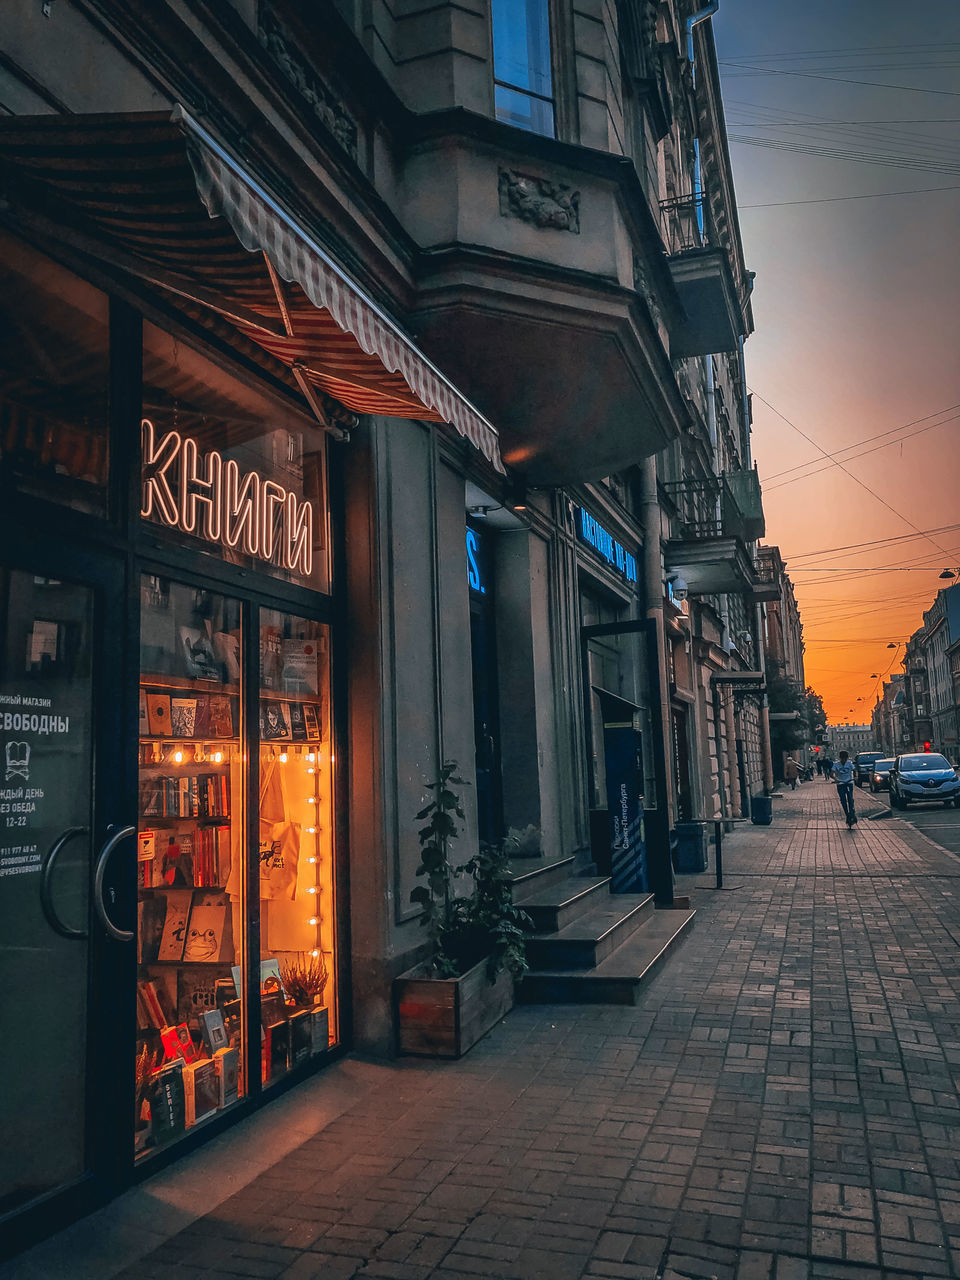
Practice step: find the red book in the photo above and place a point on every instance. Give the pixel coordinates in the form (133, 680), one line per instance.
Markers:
(178, 1043)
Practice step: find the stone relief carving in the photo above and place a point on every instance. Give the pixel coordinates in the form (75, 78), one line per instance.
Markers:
(539, 201)
(328, 109)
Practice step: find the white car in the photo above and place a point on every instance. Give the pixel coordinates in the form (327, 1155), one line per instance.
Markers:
(923, 776)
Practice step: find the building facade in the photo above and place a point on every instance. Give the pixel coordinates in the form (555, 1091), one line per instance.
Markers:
(852, 738)
(372, 396)
(932, 704)
(890, 732)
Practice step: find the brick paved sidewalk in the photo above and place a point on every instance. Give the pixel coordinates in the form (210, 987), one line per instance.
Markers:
(782, 1105)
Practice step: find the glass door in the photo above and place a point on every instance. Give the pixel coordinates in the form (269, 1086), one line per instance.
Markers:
(190, 1059)
(61, 910)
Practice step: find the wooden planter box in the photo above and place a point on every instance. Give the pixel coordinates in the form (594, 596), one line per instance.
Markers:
(444, 1017)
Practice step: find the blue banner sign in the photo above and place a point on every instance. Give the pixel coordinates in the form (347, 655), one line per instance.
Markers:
(628, 854)
(595, 535)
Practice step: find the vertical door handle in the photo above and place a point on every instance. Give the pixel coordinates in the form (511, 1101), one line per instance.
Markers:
(46, 885)
(119, 935)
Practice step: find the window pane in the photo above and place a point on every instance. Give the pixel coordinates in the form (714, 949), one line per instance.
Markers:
(190, 942)
(255, 487)
(521, 45)
(297, 920)
(524, 112)
(54, 356)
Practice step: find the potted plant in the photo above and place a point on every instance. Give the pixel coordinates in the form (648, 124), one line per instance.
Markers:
(445, 1004)
(304, 981)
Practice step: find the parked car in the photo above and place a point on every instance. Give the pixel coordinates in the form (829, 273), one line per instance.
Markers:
(923, 776)
(862, 764)
(880, 775)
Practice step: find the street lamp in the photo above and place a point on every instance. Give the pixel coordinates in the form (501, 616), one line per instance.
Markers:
(949, 573)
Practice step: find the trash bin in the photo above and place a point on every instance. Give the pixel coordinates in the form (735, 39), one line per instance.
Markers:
(691, 847)
(761, 811)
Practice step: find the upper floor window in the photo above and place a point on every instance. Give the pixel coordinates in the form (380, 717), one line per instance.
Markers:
(523, 83)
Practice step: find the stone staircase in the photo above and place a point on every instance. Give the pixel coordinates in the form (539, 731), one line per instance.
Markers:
(589, 946)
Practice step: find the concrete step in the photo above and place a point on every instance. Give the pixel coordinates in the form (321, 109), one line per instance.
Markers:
(530, 875)
(557, 905)
(620, 977)
(591, 937)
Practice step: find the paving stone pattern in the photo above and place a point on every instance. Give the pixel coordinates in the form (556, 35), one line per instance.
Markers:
(781, 1105)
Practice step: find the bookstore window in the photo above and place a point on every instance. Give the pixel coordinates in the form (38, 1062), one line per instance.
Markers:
(296, 883)
(238, 471)
(190, 861)
(54, 375)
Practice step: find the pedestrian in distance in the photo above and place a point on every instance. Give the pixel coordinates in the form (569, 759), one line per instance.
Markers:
(791, 771)
(842, 774)
(827, 768)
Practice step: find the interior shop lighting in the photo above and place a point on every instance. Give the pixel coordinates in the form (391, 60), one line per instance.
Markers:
(283, 757)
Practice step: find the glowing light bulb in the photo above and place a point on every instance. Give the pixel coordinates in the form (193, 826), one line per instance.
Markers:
(311, 756)
(283, 757)
(177, 757)
(314, 954)
(311, 860)
(217, 757)
(314, 920)
(312, 888)
(311, 770)
(311, 831)
(311, 799)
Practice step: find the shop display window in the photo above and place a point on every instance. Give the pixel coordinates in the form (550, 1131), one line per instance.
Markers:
(296, 883)
(240, 474)
(54, 377)
(190, 861)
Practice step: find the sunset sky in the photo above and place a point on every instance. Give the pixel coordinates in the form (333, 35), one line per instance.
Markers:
(857, 310)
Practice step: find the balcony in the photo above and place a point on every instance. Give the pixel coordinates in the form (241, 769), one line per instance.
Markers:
(718, 516)
(533, 254)
(713, 317)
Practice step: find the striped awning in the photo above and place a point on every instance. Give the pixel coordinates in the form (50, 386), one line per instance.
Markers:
(164, 200)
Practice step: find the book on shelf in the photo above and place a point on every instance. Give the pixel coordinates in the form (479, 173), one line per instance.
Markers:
(196, 993)
(299, 673)
(221, 715)
(274, 721)
(175, 924)
(201, 726)
(227, 1065)
(213, 1030)
(144, 718)
(183, 717)
(158, 714)
(151, 917)
(201, 1090)
(298, 726)
(205, 931)
(311, 721)
(167, 1103)
(178, 1043)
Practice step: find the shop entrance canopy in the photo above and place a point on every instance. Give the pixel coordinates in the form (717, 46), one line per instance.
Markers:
(157, 196)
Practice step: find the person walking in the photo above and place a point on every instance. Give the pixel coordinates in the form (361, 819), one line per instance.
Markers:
(827, 768)
(842, 774)
(791, 771)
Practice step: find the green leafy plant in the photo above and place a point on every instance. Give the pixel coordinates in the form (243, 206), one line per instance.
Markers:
(464, 928)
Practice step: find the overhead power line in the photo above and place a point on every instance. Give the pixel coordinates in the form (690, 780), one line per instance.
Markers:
(874, 542)
(847, 155)
(843, 468)
(873, 195)
(869, 440)
(871, 84)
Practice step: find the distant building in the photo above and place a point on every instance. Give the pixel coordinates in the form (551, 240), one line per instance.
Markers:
(852, 738)
(931, 665)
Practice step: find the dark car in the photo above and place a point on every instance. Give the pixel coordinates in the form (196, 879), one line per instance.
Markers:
(880, 774)
(922, 776)
(862, 764)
